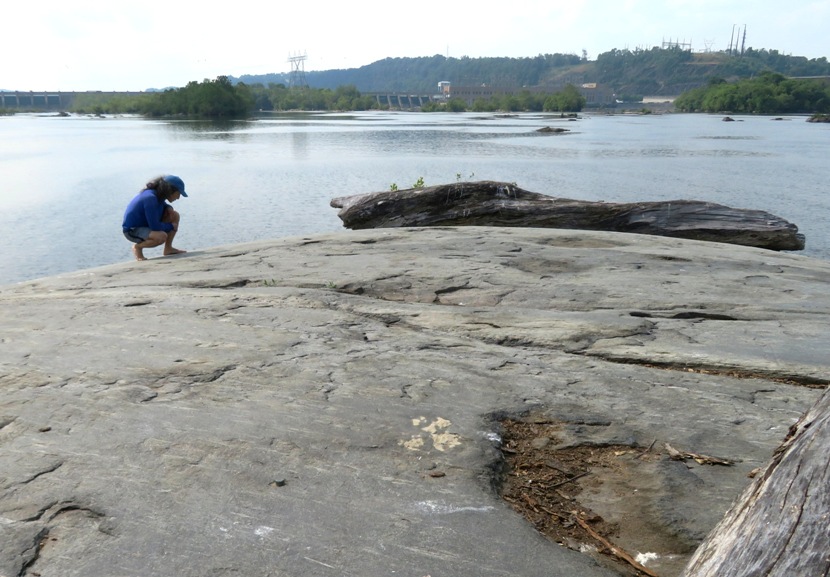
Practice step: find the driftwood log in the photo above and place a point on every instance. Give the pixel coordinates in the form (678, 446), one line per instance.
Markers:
(780, 525)
(488, 203)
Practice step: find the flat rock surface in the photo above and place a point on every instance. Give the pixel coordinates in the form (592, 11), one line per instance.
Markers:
(330, 405)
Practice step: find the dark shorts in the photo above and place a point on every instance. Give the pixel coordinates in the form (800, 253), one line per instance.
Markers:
(137, 234)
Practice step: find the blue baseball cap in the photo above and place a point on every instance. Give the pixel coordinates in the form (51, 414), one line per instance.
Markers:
(176, 182)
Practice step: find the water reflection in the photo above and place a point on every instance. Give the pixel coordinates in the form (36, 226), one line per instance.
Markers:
(208, 129)
(299, 142)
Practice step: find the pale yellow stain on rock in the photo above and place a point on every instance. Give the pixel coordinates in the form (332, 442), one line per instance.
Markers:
(444, 441)
(441, 440)
(437, 425)
(414, 443)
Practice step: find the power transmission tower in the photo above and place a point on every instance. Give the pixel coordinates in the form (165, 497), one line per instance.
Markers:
(736, 45)
(687, 46)
(743, 42)
(297, 78)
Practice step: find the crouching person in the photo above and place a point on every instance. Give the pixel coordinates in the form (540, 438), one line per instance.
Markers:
(149, 220)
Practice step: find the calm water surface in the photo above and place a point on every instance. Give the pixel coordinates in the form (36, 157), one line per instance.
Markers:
(66, 181)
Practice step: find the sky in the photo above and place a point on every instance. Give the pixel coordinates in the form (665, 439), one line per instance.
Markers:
(130, 45)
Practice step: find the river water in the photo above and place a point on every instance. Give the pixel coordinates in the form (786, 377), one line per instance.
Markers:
(66, 180)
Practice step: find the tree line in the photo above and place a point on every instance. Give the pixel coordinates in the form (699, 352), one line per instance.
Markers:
(566, 100)
(220, 98)
(769, 93)
(754, 81)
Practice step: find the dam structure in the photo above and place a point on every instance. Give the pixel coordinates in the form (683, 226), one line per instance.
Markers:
(48, 100)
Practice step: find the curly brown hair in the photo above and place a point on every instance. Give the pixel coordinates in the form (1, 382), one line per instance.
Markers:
(163, 189)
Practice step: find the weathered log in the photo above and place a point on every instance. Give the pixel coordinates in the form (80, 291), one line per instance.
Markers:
(488, 203)
(780, 525)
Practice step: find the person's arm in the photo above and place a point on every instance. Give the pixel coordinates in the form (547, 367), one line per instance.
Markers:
(153, 209)
(167, 216)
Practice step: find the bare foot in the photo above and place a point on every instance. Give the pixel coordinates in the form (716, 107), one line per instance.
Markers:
(139, 254)
(171, 250)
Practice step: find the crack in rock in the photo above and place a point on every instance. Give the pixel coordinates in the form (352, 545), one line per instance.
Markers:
(167, 386)
(61, 532)
(50, 469)
(733, 372)
(685, 315)
(30, 555)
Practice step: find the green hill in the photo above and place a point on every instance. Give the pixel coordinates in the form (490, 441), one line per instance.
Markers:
(654, 72)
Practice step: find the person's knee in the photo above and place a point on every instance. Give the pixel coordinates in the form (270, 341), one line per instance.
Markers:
(157, 236)
(170, 216)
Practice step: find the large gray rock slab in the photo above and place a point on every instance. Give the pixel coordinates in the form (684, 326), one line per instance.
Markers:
(276, 408)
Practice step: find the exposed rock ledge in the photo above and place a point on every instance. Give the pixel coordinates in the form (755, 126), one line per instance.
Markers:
(280, 408)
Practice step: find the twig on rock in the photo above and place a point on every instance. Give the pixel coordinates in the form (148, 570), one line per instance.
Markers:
(616, 551)
(569, 480)
(676, 455)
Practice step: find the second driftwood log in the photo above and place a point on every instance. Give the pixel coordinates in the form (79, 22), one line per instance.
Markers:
(488, 203)
(779, 525)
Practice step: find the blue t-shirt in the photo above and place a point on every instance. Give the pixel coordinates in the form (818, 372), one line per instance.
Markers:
(145, 209)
